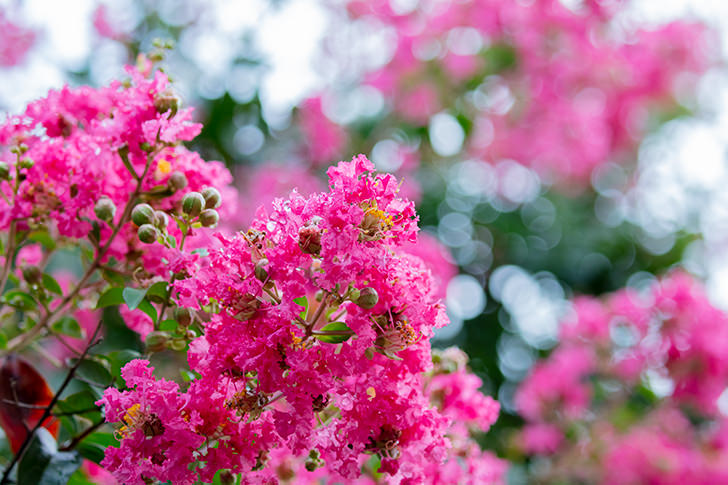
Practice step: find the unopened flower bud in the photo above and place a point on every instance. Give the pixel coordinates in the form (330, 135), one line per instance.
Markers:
(177, 181)
(166, 100)
(212, 196)
(142, 214)
(209, 217)
(31, 274)
(147, 233)
(368, 298)
(354, 294)
(183, 316)
(190, 335)
(226, 478)
(309, 239)
(146, 146)
(192, 204)
(26, 163)
(105, 209)
(260, 271)
(4, 171)
(178, 344)
(161, 220)
(156, 341)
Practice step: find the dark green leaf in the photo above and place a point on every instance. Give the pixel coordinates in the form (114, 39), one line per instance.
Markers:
(119, 359)
(157, 293)
(133, 297)
(95, 372)
(3, 340)
(68, 326)
(20, 299)
(37, 457)
(112, 296)
(147, 308)
(50, 284)
(78, 403)
(42, 464)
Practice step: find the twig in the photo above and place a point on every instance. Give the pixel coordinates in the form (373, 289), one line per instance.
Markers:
(9, 255)
(47, 412)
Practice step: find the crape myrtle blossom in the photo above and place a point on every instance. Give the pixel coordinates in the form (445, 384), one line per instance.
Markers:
(15, 40)
(72, 160)
(560, 89)
(316, 350)
(79, 144)
(635, 381)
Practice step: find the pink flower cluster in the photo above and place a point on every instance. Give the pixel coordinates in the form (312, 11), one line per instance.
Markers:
(81, 144)
(636, 368)
(15, 41)
(315, 350)
(559, 89)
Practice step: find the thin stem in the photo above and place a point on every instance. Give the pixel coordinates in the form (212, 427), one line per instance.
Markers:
(9, 255)
(48, 410)
(317, 315)
(172, 279)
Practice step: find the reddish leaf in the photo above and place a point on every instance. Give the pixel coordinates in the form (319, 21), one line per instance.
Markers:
(23, 395)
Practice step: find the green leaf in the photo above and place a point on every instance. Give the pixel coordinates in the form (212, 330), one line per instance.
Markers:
(147, 308)
(119, 358)
(43, 238)
(43, 464)
(303, 301)
(157, 293)
(3, 340)
(133, 297)
(79, 403)
(19, 299)
(335, 338)
(188, 376)
(168, 325)
(68, 326)
(50, 284)
(95, 372)
(111, 297)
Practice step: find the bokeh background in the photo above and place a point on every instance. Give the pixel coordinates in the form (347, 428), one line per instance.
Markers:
(527, 196)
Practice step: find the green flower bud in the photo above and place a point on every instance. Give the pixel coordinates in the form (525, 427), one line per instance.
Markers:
(31, 274)
(105, 209)
(161, 220)
(142, 214)
(368, 298)
(177, 181)
(147, 233)
(209, 217)
(354, 294)
(26, 163)
(146, 147)
(260, 271)
(4, 171)
(192, 204)
(183, 316)
(213, 199)
(178, 344)
(156, 341)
